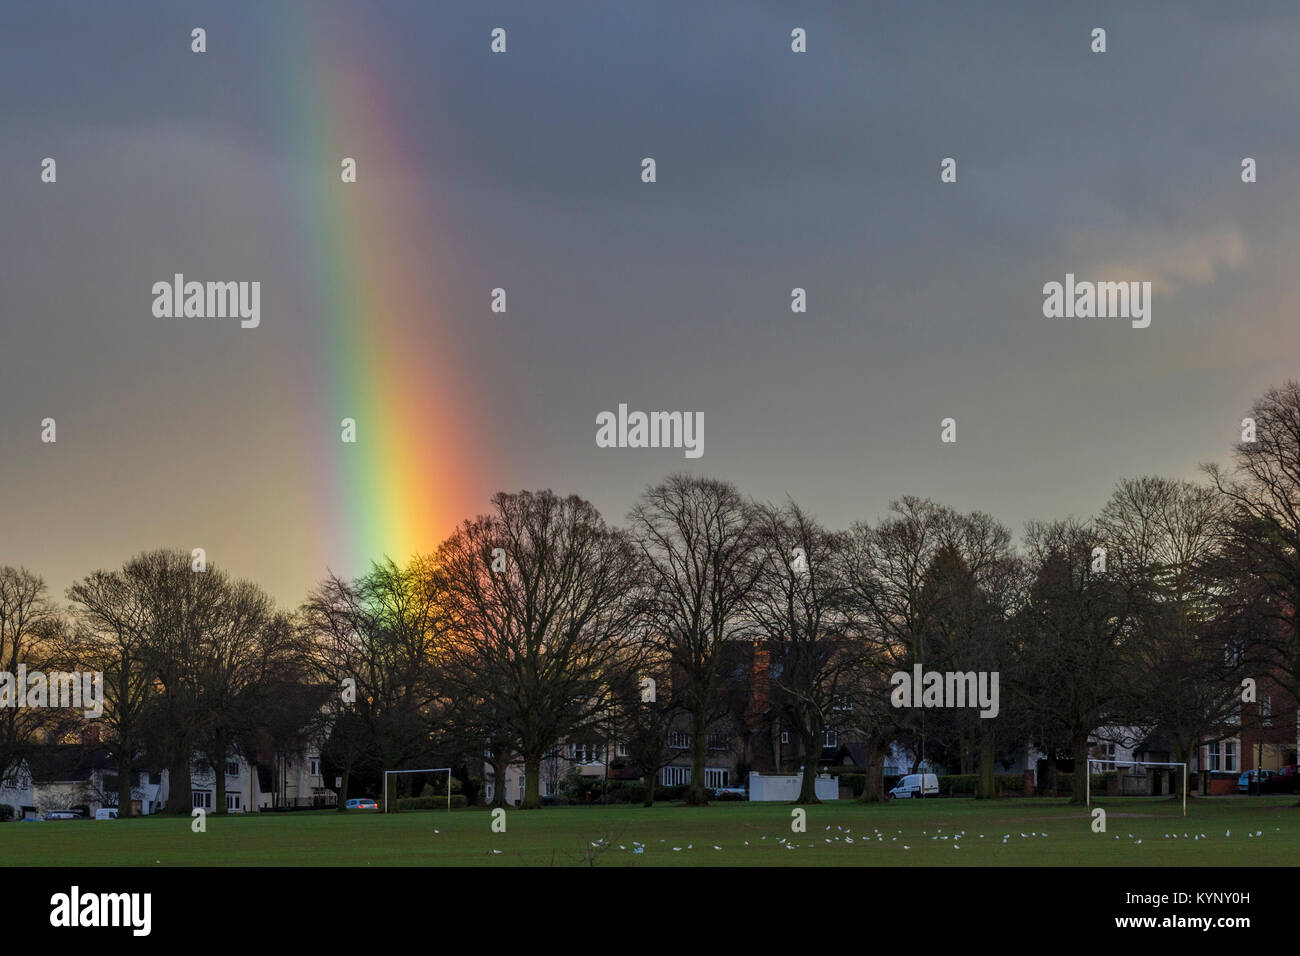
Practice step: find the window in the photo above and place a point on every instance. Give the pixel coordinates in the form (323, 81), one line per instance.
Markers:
(1221, 756)
(785, 736)
(232, 768)
(314, 768)
(622, 749)
(1104, 750)
(830, 738)
(1266, 711)
(679, 739)
(232, 801)
(202, 799)
(675, 776)
(717, 741)
(587, 753)
(713, 779)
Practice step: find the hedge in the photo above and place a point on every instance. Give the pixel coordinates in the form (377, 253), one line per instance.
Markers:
(458, 801)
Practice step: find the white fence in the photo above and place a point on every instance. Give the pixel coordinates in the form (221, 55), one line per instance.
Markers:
(787, 788)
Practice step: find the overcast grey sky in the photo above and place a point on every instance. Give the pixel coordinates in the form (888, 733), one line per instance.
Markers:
(522, 170)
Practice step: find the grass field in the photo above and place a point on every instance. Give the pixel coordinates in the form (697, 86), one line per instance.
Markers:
(947, 832)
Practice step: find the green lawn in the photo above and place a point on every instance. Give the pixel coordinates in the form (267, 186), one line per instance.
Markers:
(950, 832)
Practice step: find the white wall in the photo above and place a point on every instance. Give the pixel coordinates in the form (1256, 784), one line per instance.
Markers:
(787, 787)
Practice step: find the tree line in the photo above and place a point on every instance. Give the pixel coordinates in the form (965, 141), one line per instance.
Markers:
(538, 623)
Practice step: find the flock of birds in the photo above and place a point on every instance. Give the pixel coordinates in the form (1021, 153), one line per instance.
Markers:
(878, 836)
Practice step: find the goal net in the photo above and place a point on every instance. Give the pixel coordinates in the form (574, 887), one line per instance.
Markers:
(433, 783)
(1140, 766)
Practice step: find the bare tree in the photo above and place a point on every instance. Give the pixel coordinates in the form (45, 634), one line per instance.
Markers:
(29, 627)
(373, 643)
(1163, 539)
(1075, 635)
(695, 536)
(110, 635)
(538, 605)
(799, 589)
(887, 613)
(645, 713)
(248, 648)
(1262, 489)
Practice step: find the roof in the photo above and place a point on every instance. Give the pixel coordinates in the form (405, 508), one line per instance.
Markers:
(55, 762)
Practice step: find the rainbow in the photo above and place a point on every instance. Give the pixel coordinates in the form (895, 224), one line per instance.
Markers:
(375, 349)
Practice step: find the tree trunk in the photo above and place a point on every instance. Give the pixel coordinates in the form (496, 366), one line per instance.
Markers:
(499, 767)
(532, 779)
(874, 790)
(811, 753)
(1078, 791)
(124, 784)
(179, 799)
(695, 792)
(986, 785)
(343, 796)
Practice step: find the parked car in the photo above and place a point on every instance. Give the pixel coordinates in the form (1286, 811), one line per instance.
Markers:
(106, 813)
(1284, 780)
(916, 785)
(62, 815)
(740, 792)
(361, 803)
(1253, 781)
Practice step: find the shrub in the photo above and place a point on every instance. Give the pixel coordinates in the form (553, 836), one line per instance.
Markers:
(856, 781)
(458, 801)
(958, 784)
(1009, 782)
(635, 792)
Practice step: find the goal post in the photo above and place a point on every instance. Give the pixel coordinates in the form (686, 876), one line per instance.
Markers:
(446, 770)
(1136, 763)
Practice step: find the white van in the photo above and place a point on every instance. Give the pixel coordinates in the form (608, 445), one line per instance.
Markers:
(916, 785)
(106, 813)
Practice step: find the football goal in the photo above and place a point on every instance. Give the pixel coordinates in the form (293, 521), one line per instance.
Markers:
(446, 770)
(1140, 765)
